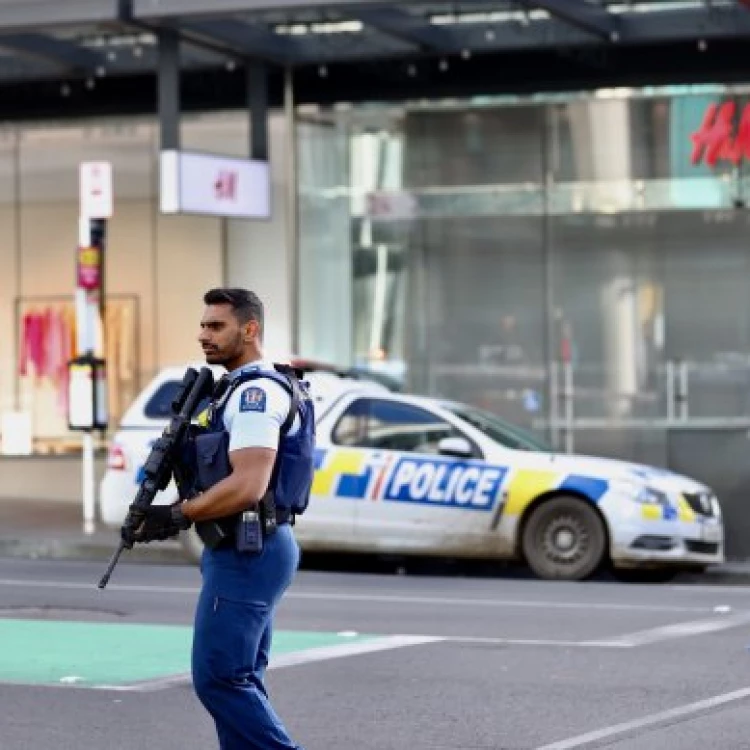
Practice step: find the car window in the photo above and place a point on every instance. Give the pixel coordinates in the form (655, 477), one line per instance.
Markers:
(391, 425)
(501, 432)
(159, 406)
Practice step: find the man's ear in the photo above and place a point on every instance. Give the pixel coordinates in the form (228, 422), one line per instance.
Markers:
(252, 330)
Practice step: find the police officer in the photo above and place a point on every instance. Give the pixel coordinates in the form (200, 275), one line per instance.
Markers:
(241, 589)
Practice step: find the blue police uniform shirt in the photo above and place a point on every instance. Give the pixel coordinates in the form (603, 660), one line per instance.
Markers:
(256, 410)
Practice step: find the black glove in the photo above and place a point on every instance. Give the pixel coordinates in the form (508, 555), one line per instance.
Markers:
(154, 523)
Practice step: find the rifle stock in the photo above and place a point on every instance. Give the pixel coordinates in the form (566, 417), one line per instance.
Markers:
(159, 465)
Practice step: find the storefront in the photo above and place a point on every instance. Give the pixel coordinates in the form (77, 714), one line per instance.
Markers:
(550, 258)
(157, 267)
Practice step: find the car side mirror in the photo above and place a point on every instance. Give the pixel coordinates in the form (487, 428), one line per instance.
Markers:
(455, 446)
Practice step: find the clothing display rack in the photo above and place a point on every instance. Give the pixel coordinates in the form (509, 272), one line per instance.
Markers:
(46, 339)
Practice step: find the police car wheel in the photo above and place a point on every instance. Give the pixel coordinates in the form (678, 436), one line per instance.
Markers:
(191, 544)
(564, 539)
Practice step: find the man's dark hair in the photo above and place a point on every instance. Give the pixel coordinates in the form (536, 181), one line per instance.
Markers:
(246, 305)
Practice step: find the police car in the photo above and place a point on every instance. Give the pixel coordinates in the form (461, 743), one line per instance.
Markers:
(408, 475)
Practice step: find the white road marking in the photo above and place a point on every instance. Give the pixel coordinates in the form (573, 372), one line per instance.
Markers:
(681, 630)
(379, 598)
(461, 602)
(71, 585)
(535, 642)
(650, 720)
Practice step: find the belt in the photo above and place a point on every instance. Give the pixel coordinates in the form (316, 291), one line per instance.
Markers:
(221, 533)
(284, 516)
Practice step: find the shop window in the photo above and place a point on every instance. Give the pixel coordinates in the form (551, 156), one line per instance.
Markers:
(46, 334)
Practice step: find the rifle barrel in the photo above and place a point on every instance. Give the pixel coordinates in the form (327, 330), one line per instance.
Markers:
(112, 562)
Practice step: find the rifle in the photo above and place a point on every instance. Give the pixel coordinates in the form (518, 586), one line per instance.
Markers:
(160, 463)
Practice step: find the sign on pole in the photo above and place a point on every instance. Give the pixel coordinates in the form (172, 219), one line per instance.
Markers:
(96, 190)
(87, 403)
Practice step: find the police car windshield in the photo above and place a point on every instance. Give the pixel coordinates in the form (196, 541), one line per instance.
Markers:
(508, 435)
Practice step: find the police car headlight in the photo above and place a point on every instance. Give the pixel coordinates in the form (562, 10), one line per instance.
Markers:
(715, 507)
(650, 496)
(641, 493)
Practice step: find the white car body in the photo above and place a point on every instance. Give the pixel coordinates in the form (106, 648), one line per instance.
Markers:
(374, 499)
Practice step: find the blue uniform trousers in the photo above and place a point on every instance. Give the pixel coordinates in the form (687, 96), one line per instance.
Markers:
(232, 640)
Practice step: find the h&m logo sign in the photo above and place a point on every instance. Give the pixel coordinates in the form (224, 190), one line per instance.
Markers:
(722, 136)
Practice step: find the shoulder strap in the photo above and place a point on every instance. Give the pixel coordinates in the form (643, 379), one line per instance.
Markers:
(284, 380)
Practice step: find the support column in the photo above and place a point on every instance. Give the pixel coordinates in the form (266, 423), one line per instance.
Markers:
(257, 104)
(168, 109)
(292, 209)
(169, 89)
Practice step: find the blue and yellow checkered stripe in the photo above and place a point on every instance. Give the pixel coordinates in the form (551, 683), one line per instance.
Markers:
(342, 473)
(525, 485)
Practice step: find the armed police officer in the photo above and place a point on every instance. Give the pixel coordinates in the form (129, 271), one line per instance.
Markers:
(253, 467)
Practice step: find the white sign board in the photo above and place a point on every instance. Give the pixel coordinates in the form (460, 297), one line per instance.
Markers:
(15, 433)
(96, 190)
(211, 185)
(81, 398)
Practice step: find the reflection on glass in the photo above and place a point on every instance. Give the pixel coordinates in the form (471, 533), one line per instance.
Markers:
(508, 435)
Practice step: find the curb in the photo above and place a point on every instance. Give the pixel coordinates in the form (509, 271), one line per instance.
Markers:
(56, 549)
(716, 578)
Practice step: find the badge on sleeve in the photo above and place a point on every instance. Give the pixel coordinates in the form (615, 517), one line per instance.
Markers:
(253, 399)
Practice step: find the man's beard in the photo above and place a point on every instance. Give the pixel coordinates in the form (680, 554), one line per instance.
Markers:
(222, 357)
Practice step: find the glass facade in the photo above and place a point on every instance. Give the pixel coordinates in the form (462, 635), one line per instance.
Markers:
(571, 263)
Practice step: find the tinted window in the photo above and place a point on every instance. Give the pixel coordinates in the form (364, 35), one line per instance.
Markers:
(390, 425)
(159, 406)
(500, 431)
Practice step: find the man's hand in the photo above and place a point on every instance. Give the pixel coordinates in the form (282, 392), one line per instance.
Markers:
(154, 523)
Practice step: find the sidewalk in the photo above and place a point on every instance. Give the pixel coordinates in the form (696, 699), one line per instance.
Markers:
(54, 531)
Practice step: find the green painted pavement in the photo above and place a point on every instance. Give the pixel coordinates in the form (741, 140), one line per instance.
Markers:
(43, 652)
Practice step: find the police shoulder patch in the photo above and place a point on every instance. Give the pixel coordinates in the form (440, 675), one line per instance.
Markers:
(253, 399)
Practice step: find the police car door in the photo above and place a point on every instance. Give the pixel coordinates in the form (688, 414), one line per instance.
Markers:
(411, 496)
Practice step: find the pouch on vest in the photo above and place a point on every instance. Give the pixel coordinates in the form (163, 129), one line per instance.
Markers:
(212, 458)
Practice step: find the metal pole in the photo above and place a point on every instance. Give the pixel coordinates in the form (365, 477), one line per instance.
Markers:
(554, 405)
(550, 337)
(684, 386)
(569, 416)
(292, 212)
(89, 483)
(670, 391)
(92, 232)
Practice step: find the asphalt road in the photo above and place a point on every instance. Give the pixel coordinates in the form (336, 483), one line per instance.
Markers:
(379, 662)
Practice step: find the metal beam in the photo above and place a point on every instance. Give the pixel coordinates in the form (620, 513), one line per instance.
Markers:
(18, 14)
(242, 39)
(406, 27)
(580, 15)
(170, 8)
(642, 28)
(56, 51)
